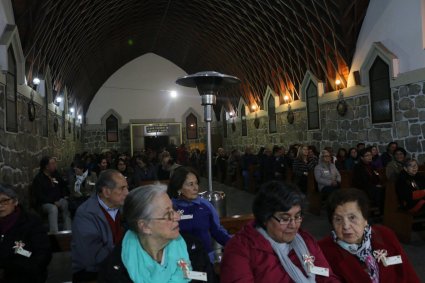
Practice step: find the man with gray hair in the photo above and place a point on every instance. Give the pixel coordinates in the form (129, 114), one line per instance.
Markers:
(96, 228)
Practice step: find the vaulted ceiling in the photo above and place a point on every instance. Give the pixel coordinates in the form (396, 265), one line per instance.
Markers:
(263, 42)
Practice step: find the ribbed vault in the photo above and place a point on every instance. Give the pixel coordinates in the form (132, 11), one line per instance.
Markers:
(263, 42)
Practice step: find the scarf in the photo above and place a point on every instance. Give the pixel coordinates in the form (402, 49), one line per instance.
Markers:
(7, 222)
(282, 250)
(79, 180)
(363, 252)
(142, 268)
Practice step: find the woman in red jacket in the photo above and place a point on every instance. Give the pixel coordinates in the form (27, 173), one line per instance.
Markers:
(273, 248)
(358, 252)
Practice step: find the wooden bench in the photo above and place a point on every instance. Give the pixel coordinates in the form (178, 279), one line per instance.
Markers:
(397, 219)
(235, 223)
(60, 241)
(313, 195)
(346, 179)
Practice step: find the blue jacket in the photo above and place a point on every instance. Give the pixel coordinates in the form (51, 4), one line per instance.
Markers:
(91, 237)
(205, 221)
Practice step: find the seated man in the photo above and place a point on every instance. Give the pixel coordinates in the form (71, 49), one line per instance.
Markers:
(97, 225)
(49, 191)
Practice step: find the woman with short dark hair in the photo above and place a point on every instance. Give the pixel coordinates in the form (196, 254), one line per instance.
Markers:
(200, 218)
(359, 252)
(273, 248)
(410, 188)
(24, 246)
(368, 179)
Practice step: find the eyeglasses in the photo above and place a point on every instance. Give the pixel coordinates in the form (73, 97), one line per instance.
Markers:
(286, 219)
(170, 215)
(5, 201)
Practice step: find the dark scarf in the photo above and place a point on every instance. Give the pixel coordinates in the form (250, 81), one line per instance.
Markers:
(7, 222)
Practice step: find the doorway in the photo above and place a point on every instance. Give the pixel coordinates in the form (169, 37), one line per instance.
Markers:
(156, 143)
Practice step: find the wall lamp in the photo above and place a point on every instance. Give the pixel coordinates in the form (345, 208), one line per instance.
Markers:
(58, 100)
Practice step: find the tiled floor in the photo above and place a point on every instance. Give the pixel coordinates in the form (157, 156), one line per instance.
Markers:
(239, 202)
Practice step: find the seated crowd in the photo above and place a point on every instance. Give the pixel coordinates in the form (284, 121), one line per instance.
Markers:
(127, 228)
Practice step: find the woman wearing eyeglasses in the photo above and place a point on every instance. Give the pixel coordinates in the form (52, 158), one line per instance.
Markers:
(358, 252)
(273, 248)
(326, 174)
(199, 217)
(24, 245)
(153, 249)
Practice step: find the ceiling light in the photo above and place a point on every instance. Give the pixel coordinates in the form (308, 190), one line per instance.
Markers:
(173, 94)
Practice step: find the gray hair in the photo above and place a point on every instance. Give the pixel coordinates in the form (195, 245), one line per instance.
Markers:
(323, 152)
(106, 179)
(139, 204)
(8, 191)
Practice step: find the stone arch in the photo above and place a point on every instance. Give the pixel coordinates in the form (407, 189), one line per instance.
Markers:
(189, 111)
(309, 76)
(270, 93)
(109, 113)
(378, 49)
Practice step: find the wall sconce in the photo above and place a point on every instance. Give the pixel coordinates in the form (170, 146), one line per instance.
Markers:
(58, 100)
(71, 110)
(341, 107)
(253, 107)
(80, 118)
(290, 117)
(36, 81)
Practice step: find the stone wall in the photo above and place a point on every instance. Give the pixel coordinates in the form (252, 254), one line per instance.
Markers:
(21, 152)
(408, 128)
(94, 139)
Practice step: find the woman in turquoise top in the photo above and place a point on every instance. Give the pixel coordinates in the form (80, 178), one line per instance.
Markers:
(153, 249)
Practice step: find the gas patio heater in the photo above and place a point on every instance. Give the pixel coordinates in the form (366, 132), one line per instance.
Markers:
(208, 84)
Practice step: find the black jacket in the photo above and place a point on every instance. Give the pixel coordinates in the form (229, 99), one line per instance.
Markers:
(17, 268)
(114, 271)
(405, 188)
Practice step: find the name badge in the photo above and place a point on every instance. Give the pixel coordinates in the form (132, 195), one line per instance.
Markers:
(323, 271)
(326, 171)
(196, 275)
(392, 260)
(91, 183)
(55, 181)
(186, 216)
(23, 252)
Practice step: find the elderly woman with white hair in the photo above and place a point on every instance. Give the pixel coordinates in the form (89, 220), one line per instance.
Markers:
(326, 174)
(153, 249)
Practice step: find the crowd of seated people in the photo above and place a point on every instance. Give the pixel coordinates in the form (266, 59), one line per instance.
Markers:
(119, 225)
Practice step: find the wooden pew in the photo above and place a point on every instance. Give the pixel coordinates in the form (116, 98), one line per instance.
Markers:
(313, 195)
(399, 220)
(346, 179)
(235, 223)
(60, 241)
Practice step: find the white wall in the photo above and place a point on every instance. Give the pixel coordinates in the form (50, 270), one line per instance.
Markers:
(140, 90)
(398, 25)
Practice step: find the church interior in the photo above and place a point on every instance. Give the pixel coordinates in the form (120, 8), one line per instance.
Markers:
(98, 78)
